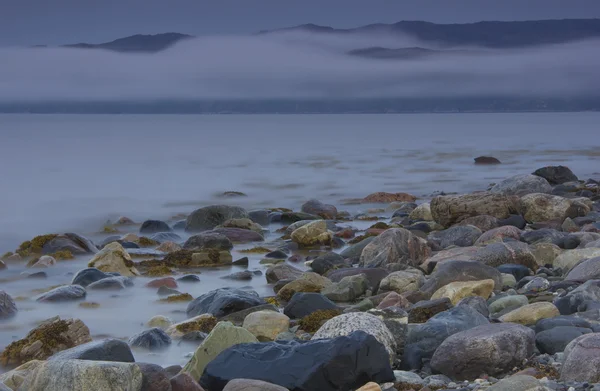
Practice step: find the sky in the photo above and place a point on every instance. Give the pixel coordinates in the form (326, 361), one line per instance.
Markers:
(54, 22)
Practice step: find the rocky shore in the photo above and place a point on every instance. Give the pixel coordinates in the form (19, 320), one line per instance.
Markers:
(495, 290)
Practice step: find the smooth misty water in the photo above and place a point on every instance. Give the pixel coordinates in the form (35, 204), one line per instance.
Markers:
(74, 172)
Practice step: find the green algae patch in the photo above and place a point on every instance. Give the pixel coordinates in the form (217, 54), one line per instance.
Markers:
(205, 325)
(160, 270)
(177, 298)
(62, 255)
(147, 242)
(50, 336)
(255, 250)
(360, 238)
(313, 322)
(35, 245)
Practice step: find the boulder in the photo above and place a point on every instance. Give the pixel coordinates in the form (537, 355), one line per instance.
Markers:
(14, 378)
(581, 361)
(402, 281)
(252, 385)
(341, 363)
(393, 299)
(374, 275)
(395, 246)
(304, 304)
(354, 251)
(84, 375)
(114, 258)
(240, 235)
(570, 258)
(518, 383)
(500, 234)
(511, 301)
(454, 271)
(223, 301)
(556, 339)
(346, 324)
(184, 382)
(88, 276)
(348, 289)
(451, 254)
(152, 339)
(48, 338)
(449, 210)
(208, 240)
(104, 350)
(266, 325)
(521, 185)
(328, 261)
(421, 213)
(486, 160)
(424, 310)
(309, 282)
(154, 226)
(223, 336)
(202, 323)
(73, 243)
(531, 313)
(111, 283)
(456, 291)
(312, 234)
(282, 271)
(561, 321)
(478, 303)
(8, 308)
(237, 318)
(556, 175)
(210, 258)
(315, 207)
(587, 269)
(459, 235)
(497, 254)
(154, 377)
(518, 271)
(164, 237)
(63, 294)
(492, 349)
(208, 217)
(259, 216)
(538, 207)
(545, 253)
(483, 222)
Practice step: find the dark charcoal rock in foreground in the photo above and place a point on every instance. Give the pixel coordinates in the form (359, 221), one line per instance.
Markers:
(582, 361)
(152, 339)
(223, 301)
(326, 262)
(88, 276)
(63, 293)
(556, 175)
(154, 226)
(303, 304)
(492, 349)
(104, 350)
(338, 364)
(8, 308)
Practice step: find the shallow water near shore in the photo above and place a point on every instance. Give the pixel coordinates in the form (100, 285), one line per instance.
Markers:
(74, 172)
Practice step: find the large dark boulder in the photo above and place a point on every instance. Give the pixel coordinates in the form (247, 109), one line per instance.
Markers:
(556, 339)
(154, 226)
(556, 175)
(452, 271)
(88, 276)
(152, 339)
(209, 217)
(493, 349)
(396, 246)
(303, 304)
(521, 185)
(103, 350)
(223, 301)
(339, 364)
(329, 261)
(354, 251)
(374, 275)
(207, 241)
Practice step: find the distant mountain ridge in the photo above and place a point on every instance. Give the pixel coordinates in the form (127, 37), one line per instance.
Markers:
(493, 35)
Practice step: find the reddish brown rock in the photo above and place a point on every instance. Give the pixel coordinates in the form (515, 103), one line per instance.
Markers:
(184, 382)
(169, 282)
(393, 299)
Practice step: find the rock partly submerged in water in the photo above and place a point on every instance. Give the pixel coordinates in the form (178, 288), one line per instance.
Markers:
(208, 217)
(8, 308)
(395, 246)
(449, 210)
(223, 301)
(114, 258)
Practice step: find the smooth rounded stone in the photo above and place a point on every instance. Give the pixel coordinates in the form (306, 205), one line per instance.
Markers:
(348, 289)
(208, 217)
(587, 269)
(154, 226)
(531, 313)
(483, 222)
(408, 379)
(8, 308)
(392, 299)
(492, 349)
(453, 271)
(515, 220)
(50, 337)
(154, 377)
(315, 207)
(569, 225)
(518, 271)
(537, 284)
(478, 303)
(561, 321)
(346, 324)
(354, 251)
(294, 217)
(208, 240)
(556, 339)
(246, 224)
(84, 375)
(486, 160)
(459, 235)
(450, 254)
(512, 301)
(223, 301)
(518, 383)
(163, 237)
(87, 276)
(329, 261)
(421, 213)
(500, 234)
(497, 254)
(574, 300)
(584, 238)
(544, 235)
(266, 325)
(422, 311)
(259, 216)
(114, 258)
(111, 283)
(556, 175)
(374, 275)
(312, 234)
(508, 280)
(252, 385)
(223, 336)
(304, 304)
(44, 262)
(189, 278)
(395, 246)
(545, 253)
(456, 291)
(282, 271)
(569, 258)
(184, 382)
(76, 244)
(104, 350)
(239, 235)
(152, 339)
(521, 185)
(342, 363)
(159, 321)
(308, 282)
(211, 257)
(449, 210)
(63, 294)
(402, 281)
(581, 361)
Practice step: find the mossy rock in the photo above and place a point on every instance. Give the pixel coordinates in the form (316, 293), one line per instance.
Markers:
(380, 225)
(360, 238)
(147, 242)
(35, 245)
(282, 210)
(204, 325)
(7, 254)
(256, 250)
(89, 304)
(313, 322)
(272, 300)
(178, 258)
(107, 229)
(62, 255)
(177, 298)
(159, 270)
